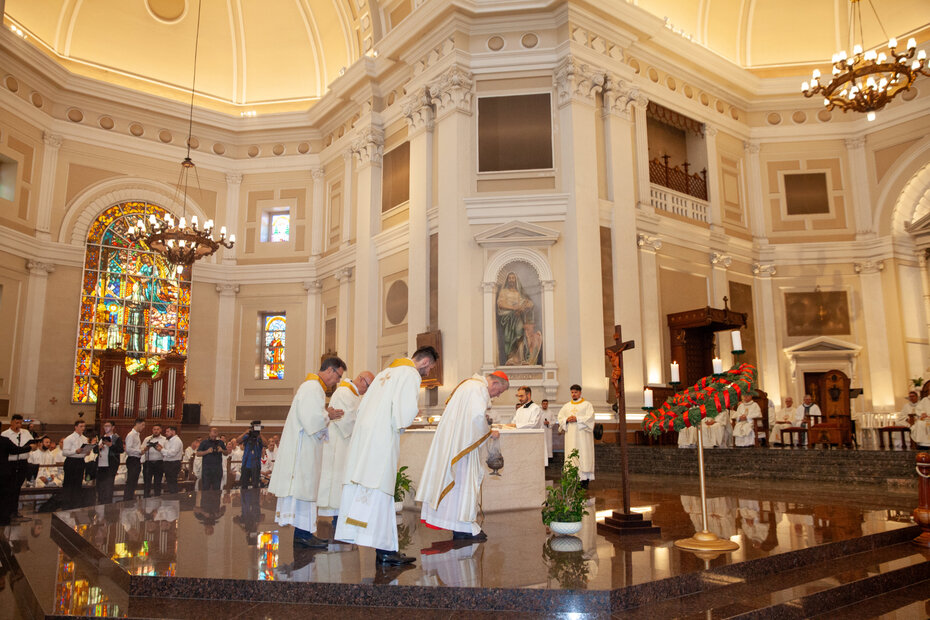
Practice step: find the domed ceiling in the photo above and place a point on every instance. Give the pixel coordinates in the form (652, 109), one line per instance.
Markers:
(276, 55)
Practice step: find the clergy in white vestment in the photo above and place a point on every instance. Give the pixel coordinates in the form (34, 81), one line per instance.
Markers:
(807, 414)
(296, 475)
(347, 398)
(780, 420)
(576, 420)
(49, 471)
(714, 431)
(687, 437)
(744, 430)
(451, 483)
(903, 417)
(548, 419)
(920, 431)
(367, 505)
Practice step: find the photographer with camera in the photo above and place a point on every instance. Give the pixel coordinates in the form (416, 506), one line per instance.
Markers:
(211, 452)
(153, 462)
(252, 445)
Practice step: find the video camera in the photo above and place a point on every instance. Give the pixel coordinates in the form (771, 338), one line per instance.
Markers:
(255, 428)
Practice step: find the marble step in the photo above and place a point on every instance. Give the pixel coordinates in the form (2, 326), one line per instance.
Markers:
(911, 601)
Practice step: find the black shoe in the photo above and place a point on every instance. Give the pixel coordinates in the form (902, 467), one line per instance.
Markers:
(479, 537)
(394, 559)
(387, 574)
(310, 542)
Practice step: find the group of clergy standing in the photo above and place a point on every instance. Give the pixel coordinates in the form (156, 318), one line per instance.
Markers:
(340, 459)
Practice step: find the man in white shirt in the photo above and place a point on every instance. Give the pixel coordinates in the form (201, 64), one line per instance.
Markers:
(153, 463)
(744, 431)
(74, 448)
(133, 448)
(235, 459)
(109, 448)
(171, 455)
(528, 414)
(49, 473)
(781, 420)
(18, 462)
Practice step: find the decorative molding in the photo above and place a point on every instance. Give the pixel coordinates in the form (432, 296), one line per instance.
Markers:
(619, 97)
(548, 285)
(720, 260)
(752, 147)
(531, 257)
(515, 233)
(434, 55)
(51, 140)
(314, 287)
(503, 209)
(648, 242)
(343, 275)
(869, 266)
(37, 268)
(227, 290)
(391, 241)
(710, 131)
(452, 91)
(489, 287)
(763, 270)
(233, 178)
(577, 81)
(369, 146)
(418, 110)
(855, 143)
(317, 172)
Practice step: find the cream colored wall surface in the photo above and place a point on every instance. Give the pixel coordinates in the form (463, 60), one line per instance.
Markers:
(12, 296)
(201, 348)
(59, 337)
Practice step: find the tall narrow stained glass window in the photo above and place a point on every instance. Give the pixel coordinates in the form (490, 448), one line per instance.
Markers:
(272, 344)
(131, 299)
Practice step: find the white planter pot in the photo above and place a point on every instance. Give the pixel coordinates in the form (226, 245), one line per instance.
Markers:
(398, 506)
(565, 528)
(566, 544)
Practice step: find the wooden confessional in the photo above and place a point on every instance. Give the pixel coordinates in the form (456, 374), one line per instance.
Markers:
(123, 397)
(830, 390)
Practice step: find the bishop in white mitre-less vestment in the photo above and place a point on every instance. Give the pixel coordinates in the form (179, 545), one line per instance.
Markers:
(451, 481)
(296, 475)
(576, 419)
(744, 431)
(347, 398)
(366, 509)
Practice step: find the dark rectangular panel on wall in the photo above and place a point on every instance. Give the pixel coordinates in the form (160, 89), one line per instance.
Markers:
(818, 313)
(395, 177)
(741, 301)
(806, 193)
(515, 133)
(607, 295)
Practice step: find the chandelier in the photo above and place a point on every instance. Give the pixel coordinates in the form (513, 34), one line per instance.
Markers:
(180, 243)
(867, 81)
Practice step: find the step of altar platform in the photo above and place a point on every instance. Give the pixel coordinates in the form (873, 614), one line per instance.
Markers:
(891, 468)
(621, 524)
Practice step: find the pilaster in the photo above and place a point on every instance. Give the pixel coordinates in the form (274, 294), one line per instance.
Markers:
(318, 207)
(715, 205)
(313, 350)
(233, 196)
(754, 185)
(876, 333)
(765, 311)
(344, 321)
(859, 187)
(225, 388)
(649, 245)
(47, 185)
(33, 323)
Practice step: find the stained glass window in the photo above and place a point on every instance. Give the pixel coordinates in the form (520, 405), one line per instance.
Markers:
(276, 225)
(132, 299)
(273, 327)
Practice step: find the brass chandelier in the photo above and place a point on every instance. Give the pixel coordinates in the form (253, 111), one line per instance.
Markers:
(182, 244)
(867, 80)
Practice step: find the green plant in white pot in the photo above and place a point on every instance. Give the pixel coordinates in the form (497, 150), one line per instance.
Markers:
(403, 487)
(565, 501)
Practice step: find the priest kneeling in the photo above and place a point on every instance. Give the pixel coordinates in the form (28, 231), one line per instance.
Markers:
(451, 482)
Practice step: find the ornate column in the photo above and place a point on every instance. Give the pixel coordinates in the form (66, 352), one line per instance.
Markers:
(420, 124)
(347, 196)
(639, 104)
(369, 150)
(577, 86)
(648, 246)
(313, 349)
(876, 334)
(768, 355)
(754, 185)
(47, 184)
(233, 194)
(620, 150)
(317, 208)
(33, 323)
(922, 261)
(344, 320)
(451, 95)
(226, 385)
(715, 206)
(490, 330)
(859, 187)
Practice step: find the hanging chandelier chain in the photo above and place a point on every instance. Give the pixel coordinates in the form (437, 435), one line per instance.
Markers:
(190, 120)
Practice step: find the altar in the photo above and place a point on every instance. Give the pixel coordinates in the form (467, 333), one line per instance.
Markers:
(522, 480)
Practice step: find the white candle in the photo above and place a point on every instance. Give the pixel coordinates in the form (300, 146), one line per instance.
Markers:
(676, 378)
(737, 340)
(647, 398)
(718, 366)
(232, 238)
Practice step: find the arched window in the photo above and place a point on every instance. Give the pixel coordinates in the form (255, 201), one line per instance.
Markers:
(131, 299)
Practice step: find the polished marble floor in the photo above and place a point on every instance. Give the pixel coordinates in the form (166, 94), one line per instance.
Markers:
(232, 536)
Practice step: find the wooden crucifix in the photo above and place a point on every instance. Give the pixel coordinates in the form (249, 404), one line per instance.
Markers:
(615, 355)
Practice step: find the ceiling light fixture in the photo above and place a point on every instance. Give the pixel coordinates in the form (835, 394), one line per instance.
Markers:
(183, 244)
(867, 81)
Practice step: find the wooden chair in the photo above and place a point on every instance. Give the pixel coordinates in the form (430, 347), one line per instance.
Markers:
(800, 431)
(890, 431)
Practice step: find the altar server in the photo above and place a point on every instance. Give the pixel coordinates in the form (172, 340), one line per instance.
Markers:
(576, 420)
(49, 472)
(547, 419)
(528, 414)
(783, 419)
(346, 398)
(296, 475)
(744, 430)
(367, 503)
(451, 482)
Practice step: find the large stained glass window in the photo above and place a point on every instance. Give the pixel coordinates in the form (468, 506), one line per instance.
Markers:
(272, 343)
(132, 299)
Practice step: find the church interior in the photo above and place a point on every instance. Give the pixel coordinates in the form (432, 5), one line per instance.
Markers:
(521, 185)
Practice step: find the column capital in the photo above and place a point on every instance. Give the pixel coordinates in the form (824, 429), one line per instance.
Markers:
(418, 110)
(648, 242)
(577, 81)
(718, 259)
(313, 286)
(710, 130)
(452, 91)
(343, 275)
(51, 140)
(548, 285)
(233, 178)
(752, 147)
(763, 270)
(869, 266)
(317, 172)
(489, 287)
(227, 290)
(369, 146)
(619, 97)
(37, 268)
(855, 143)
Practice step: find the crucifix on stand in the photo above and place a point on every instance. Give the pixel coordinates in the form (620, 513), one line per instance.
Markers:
(626, 522)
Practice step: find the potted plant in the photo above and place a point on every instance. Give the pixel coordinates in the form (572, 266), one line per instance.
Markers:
(403, 486)
(564, 506)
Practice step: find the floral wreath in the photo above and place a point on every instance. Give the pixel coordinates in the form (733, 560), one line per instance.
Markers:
(706, 398)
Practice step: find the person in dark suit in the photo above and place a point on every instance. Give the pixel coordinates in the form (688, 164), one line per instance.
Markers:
(109, 448)
(8, 492)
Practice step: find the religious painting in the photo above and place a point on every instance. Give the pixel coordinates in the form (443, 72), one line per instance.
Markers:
(518, 314)
(818, 313)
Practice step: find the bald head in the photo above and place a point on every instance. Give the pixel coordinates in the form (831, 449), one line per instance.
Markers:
(362, 381)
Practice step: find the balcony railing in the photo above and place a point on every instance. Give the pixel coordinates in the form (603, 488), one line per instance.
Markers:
(669, 200)
(678, 179)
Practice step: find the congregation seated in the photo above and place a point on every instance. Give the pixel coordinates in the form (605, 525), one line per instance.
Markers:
(744, 430)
